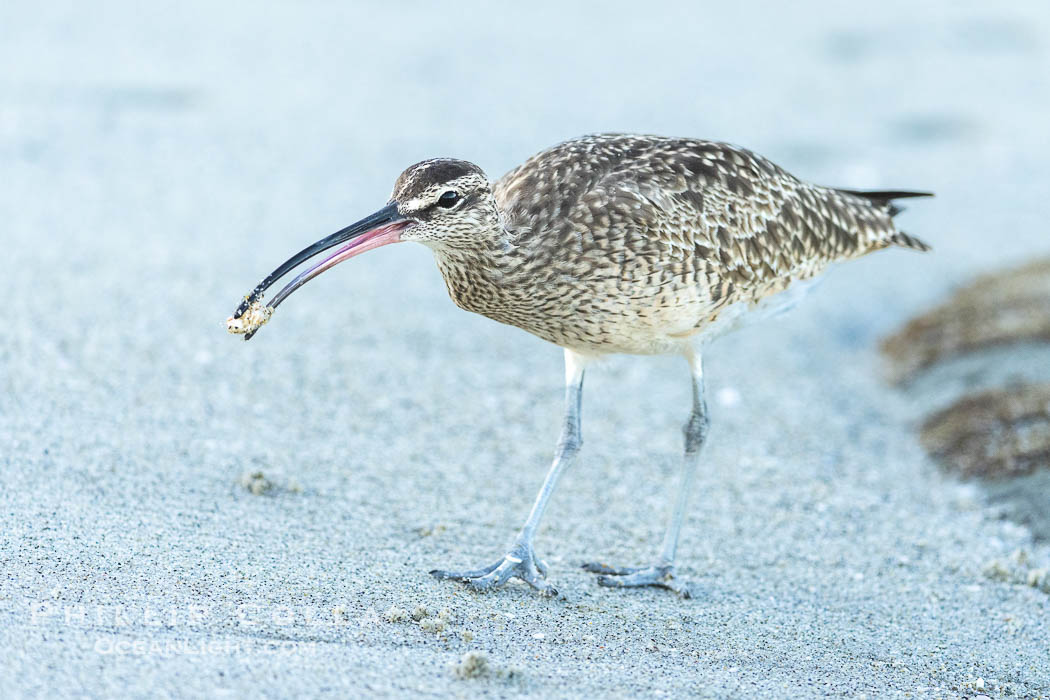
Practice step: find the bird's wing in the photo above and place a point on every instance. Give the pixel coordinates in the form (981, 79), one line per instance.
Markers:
(688, 211)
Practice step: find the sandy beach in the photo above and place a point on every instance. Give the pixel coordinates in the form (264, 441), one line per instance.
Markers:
(185, 514)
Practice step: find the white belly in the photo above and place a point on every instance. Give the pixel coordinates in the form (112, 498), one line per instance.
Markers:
(744, 313)
(674, 331)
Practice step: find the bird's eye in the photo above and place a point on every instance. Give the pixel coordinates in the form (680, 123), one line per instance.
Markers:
(448, 199)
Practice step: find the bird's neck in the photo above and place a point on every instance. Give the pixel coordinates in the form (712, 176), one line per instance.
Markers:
(483, 277)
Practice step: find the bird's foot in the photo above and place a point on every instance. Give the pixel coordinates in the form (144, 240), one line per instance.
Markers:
(520, 562)
(660, 575)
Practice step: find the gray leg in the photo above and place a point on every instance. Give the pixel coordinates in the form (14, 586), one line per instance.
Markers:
(662, 572)
(520, 561)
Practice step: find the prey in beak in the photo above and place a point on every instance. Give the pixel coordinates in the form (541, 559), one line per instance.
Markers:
(379, 229)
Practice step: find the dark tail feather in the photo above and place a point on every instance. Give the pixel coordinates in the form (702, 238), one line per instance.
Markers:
(885, 198)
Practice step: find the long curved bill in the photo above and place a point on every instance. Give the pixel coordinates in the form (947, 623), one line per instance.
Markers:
(371, 232)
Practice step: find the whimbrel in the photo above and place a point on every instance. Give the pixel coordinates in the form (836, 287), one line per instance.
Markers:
(613, 244)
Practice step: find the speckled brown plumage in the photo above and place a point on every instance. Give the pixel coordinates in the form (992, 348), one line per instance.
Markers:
(619, 243)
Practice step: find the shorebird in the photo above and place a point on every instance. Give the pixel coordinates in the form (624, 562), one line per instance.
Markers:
(613, 243)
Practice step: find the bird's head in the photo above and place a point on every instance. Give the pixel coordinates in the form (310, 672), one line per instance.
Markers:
(442, 203)
(447, 202)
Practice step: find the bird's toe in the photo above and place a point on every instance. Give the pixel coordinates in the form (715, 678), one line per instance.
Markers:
(599, 568)
(660, 576)
(519, 563)
(483, 583)
(541, 567)
(464, 575)
(535, 578)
